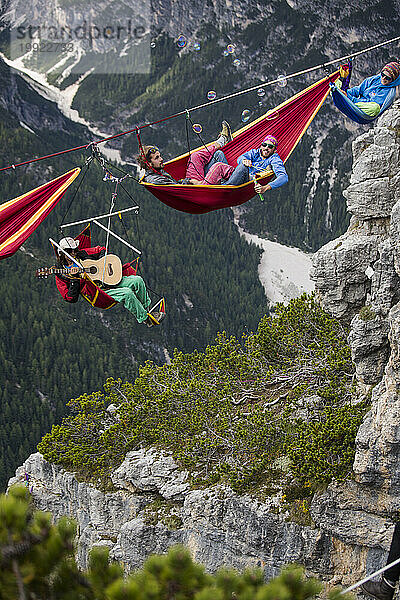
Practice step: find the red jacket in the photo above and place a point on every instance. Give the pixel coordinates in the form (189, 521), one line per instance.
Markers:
(70, 288)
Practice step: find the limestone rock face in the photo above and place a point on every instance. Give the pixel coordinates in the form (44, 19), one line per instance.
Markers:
(149, 471)
(370, 347)
(372, 501)
(377, 460)
(100, 516)
(217, 525)
(356, 276)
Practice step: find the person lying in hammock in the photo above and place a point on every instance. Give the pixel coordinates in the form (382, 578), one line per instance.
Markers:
(259, 160)
(130, 291)
(203, 170)
(371, 94)
(201, 163)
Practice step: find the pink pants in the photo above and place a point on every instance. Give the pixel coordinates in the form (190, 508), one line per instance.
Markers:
(199, 159)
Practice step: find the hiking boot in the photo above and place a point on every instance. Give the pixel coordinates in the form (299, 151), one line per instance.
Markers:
(225, 134)
(381, 590)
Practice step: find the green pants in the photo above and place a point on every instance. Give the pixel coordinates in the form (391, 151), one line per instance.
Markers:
(131, 292)
(370, 108)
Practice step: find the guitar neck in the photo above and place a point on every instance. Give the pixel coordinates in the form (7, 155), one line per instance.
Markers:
(63, 271)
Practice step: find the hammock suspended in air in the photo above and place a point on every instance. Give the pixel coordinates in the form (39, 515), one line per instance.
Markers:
(348, 108)
(287, 122)
(21, 216)
(90, 291)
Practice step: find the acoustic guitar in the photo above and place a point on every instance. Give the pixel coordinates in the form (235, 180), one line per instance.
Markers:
(107, 269)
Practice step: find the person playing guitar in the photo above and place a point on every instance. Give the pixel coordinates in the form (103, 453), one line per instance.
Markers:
(130, 290)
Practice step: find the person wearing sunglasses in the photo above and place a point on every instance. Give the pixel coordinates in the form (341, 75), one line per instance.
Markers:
(253, 162)
(372, 93)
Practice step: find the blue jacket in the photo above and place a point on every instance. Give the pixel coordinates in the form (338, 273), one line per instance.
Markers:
(371, 90)
(258, 163)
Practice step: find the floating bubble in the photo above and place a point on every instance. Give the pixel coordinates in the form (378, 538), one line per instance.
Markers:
(282, 81)
(261, 92)
(230, 49)
(226, 53)
(245, 115)
(196, 46)
(197, 128)
(236, 62)
(152, 44)
(211, 95)
(181, 41)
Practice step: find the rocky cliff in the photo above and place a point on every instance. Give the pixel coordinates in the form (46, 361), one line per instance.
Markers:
(152, 507)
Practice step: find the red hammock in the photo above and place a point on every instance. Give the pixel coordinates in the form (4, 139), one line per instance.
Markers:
(287, 122)
(21, 216)
(90, 291)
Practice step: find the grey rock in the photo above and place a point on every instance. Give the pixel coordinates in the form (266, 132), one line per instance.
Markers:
(339, 272)
(149, 470)
(377, 460)
(369, 344)
(137, 541)
(217, 525)
(360, 269)
(99, 515)
(373, 184)
(370, 199)
(361, 143)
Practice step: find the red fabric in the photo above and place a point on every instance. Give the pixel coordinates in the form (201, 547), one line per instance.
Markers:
(62, 288)
(21, 216)
(287, 122)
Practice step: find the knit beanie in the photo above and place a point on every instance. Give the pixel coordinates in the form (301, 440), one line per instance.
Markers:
(393, 68)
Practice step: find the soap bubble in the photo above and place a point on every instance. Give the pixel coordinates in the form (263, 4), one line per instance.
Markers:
(230, 49)
(272, 114)
(261, 92)
(236, 62)
(197, 128)
(226, 53)
(152, 44)
(245, 115)
(211, 95)
(196, 46)
(181, 41)
(282, 81)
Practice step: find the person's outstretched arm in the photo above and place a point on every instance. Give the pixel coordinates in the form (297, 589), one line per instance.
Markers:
(281, 176)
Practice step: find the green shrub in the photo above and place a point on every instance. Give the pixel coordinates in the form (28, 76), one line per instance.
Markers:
(229, 414)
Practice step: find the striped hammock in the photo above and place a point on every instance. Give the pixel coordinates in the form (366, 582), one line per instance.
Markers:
(21, 216)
